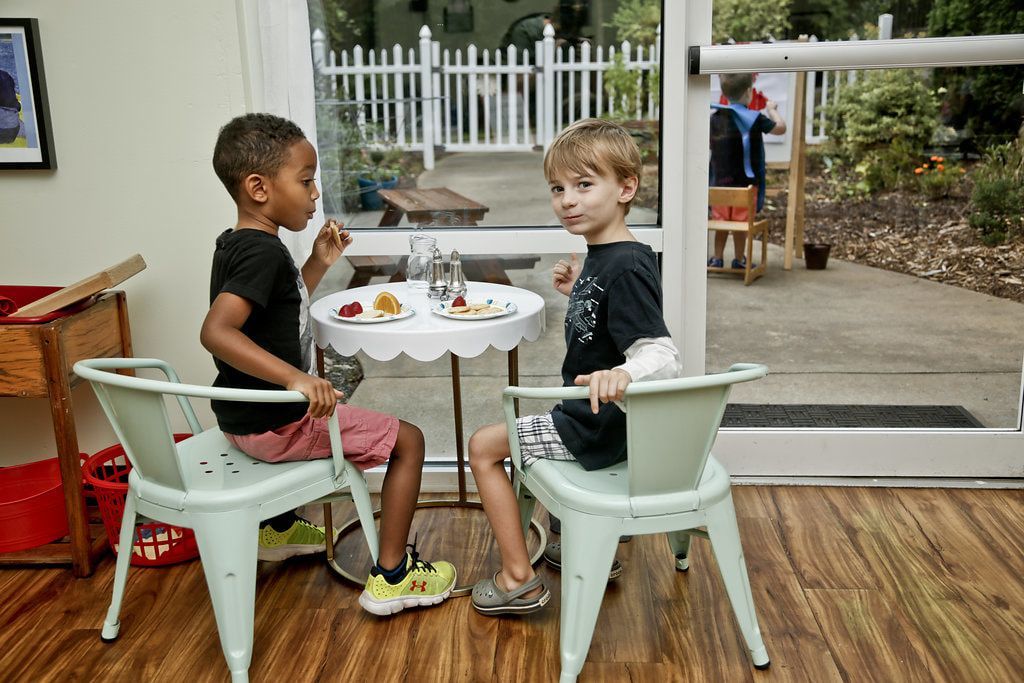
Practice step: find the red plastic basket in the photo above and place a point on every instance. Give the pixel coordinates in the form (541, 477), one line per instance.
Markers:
(155, 543)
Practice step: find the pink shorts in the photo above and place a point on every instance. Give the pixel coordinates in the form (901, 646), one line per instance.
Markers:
(729, 213)
(367, 438)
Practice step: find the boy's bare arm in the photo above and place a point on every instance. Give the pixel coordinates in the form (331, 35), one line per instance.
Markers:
(771, 109)
(222, 336)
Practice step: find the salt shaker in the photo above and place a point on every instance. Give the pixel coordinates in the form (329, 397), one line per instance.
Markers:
(456, 280)
(438, 287)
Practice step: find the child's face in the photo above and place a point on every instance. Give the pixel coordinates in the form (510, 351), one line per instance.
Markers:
(292, 190)
(591, 204)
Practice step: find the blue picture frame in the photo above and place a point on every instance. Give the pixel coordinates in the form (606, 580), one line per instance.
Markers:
(26, 140)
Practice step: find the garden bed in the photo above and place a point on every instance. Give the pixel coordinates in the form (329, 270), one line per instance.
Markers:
(906, 233)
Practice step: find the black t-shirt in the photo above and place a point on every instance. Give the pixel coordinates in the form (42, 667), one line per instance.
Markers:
(257, 266)
(615, 301)
(727, 149)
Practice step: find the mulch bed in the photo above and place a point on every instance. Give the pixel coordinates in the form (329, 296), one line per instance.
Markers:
(906, 233)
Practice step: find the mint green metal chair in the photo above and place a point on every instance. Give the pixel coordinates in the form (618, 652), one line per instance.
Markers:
(670, 483)
(205, 484)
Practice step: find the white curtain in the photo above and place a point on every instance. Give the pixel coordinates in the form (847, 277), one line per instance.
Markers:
(287, 89)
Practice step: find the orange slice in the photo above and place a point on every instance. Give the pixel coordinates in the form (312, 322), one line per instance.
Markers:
(387, 302)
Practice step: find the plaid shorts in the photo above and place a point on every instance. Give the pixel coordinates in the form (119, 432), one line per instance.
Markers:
(538, 439)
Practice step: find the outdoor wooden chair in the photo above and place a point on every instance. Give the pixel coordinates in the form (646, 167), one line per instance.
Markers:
(741, 197)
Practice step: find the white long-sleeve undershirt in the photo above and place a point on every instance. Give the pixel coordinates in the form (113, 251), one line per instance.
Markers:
(652, 358)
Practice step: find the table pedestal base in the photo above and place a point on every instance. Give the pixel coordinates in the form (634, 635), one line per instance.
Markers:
(458, 591)
(513, 379)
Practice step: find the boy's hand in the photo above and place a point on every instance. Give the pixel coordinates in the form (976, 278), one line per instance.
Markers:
(322, 395)
(605, 386)
(330, 242)
(564, 274)
(771, 105)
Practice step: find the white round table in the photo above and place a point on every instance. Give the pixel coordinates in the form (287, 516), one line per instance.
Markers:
(426, 336)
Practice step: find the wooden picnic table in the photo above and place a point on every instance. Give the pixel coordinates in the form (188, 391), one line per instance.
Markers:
(430, 206)
(435, 206)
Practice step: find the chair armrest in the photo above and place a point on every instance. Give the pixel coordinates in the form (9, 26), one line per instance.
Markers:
(99, 370)
(510, 394)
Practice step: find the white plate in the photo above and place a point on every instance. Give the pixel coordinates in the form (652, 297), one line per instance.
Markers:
(507, 307)
(406, 312)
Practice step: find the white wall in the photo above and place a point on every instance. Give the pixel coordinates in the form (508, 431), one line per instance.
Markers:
(138, 91)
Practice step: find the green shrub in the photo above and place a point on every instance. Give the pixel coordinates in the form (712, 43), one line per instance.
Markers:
(881, 123)
(749, 21)
(637, 21)
(997, 200)
(985, 101)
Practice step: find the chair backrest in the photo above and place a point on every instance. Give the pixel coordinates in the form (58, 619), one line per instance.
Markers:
(672, 424)
(734, 196)
(137, 410)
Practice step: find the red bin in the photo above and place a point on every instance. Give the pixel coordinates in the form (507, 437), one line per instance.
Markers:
(156, 543)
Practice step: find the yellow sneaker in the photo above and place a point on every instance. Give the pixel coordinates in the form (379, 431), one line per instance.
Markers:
(301, 538)
(425, 583)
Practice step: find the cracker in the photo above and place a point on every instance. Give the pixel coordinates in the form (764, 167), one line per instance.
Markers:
(458, 309)
(371, 313)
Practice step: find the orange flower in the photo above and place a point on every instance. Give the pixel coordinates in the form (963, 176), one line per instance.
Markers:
(963, 170)
(941, 167)
(918, 171)
(924, 165)
(935, 159)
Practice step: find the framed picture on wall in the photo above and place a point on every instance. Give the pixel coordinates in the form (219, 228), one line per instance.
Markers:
(25, 136)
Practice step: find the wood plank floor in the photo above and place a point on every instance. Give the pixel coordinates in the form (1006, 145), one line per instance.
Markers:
(851, 584)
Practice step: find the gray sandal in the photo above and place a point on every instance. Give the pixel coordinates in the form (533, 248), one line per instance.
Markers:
(490, 599)
(553, 557)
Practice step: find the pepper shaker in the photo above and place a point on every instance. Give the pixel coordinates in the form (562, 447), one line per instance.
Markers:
(438, 287)
(456, 280)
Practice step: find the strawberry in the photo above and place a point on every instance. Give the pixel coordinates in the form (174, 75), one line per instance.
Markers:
(459, 301)
(357, 308)
(346, 311)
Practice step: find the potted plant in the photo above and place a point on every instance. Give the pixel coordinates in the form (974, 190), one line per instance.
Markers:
(380, 170)
(816, 254)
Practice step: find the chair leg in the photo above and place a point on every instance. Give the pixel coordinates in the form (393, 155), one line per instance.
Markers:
(747, 277)
(679, 541)
(588, 550)
(364, 509)
(725, 542)
(527, 503)
(112, 624)
(227, 548)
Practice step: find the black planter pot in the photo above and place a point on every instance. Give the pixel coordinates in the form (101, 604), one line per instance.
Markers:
(816, 255)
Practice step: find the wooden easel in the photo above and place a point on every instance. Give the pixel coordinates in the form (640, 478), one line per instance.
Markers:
(797, 169)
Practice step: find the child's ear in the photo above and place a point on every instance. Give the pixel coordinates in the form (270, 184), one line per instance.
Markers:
(628, 188)
(255, 187)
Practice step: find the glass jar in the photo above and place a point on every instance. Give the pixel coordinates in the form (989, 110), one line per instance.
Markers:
(417, 272)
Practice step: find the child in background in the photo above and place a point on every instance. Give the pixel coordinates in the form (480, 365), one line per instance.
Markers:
(737, 157)
(258, 330)
(614, 334)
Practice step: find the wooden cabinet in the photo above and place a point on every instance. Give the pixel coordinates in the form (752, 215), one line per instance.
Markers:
(36, 362)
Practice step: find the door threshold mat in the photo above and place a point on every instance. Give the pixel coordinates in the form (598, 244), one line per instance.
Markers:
(841, 415)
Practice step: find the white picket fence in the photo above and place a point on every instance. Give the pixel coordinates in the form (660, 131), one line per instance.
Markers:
(479, 100)
(493, 100)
